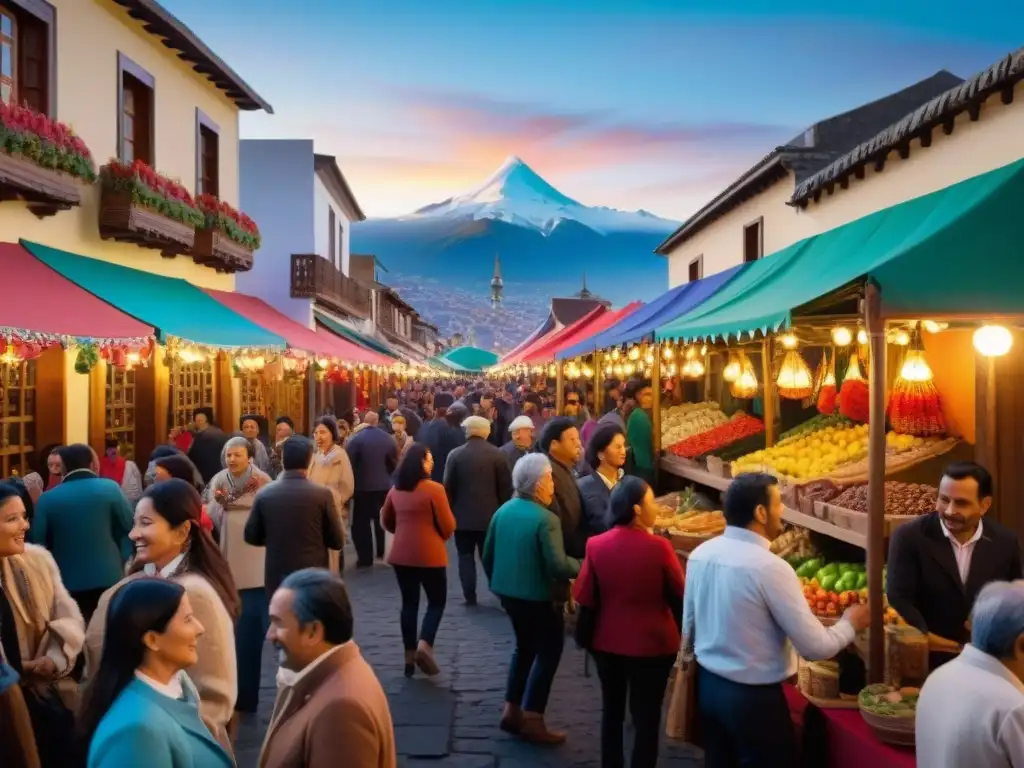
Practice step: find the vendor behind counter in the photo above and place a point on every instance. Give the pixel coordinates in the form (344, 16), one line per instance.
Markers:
(939, 562)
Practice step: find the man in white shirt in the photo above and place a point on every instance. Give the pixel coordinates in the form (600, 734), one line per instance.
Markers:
(971, 711)
(745, 614)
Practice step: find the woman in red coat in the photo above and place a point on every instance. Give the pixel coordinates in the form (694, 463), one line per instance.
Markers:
(633, 581)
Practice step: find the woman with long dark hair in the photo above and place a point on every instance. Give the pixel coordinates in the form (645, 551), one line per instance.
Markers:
(606, 457)
(140, 707)
(171, 543)
(416, 511)
(178, 465)
(632, 580)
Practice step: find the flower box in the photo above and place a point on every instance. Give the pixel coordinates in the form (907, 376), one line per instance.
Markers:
(42, 161)
(227, 238)
(138, 205)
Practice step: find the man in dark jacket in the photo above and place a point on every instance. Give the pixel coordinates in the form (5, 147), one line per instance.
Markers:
(521, 430)
(374, 456)
(295, 519)
(478, 481)
(443, 434)
(207, 445)
(84, 522)
(413, 422)
(560, 442)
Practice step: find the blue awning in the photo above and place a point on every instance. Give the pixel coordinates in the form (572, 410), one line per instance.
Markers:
(641, 324)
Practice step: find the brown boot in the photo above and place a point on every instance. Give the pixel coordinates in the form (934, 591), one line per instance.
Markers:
(511, 719)
(536, 731)
(425, 660)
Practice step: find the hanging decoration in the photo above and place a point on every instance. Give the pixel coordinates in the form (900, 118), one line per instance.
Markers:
(733, 369)
(842, 336)
(87, 358)
(128, 355)
(915, 407)
(745, 386)
(854, 402)
(827, 390)
(794, 380)
(693, 368)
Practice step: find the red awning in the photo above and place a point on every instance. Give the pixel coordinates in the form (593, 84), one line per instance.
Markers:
(297, 335)
(605, 321)
(40, 303)
(544, 352)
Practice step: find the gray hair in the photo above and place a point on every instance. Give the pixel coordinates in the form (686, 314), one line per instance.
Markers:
(320, 596)
(237, 441)
(998, 618)
(477, 426)
(527, 474)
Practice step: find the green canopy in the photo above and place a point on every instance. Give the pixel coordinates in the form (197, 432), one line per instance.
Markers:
(173, 306)
(367, 342)
(954, 251)
(468, 358)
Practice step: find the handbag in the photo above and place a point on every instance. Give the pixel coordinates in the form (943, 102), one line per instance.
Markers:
(681, 720)
(586, 617)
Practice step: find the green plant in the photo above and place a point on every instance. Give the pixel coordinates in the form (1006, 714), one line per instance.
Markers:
(149, 189)
(229, 221)
(47, 143)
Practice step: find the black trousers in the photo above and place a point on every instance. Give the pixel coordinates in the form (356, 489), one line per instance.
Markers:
(366, 526)
(469, 544)
(539, 628)
(641, 681)
(433, 581)
(744, 726)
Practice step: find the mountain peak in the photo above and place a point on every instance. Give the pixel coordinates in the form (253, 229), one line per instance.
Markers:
(515, 181)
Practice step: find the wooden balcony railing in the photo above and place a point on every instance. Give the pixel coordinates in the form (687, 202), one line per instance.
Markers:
(316, 278)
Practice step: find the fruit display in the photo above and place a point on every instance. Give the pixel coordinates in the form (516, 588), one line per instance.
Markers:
(901, 452)
(810, 455)
(729, 453)
(815, 423)
(854, 402)
(900, 498)
(914, 404)
(682, 421)
(830, 588)
(886, 701)
(738, 427)
(794, 546)
(704, 524)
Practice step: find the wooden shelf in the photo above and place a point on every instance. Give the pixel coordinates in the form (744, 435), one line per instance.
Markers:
(681, 468)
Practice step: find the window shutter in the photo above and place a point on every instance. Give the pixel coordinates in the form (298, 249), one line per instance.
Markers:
(32, 63)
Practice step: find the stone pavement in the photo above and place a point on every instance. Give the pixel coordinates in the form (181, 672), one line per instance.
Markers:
(451, 721)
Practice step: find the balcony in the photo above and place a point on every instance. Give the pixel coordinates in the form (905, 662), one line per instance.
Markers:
(316, 278)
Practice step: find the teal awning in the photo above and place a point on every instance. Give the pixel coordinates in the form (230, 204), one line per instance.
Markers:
(334, 326)
(173, 306)
(954, 251)
(468, 358)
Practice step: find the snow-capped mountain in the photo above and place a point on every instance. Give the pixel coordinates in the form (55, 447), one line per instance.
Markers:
(517, 195)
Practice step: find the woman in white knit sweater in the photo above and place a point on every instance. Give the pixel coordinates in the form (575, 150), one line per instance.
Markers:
(171, 543)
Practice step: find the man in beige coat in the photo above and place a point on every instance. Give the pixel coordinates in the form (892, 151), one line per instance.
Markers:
(331, 711)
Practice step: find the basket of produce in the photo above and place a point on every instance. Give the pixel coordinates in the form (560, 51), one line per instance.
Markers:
(903, 502)
(890, 712)
(823, 680)
(738, 427)
(682, 421)
(692, 529)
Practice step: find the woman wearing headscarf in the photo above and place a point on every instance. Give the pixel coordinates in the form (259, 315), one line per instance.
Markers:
(170, 543)
(41, 632)
(141, 709)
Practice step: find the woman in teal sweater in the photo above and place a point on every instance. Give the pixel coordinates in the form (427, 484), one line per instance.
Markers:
(524, 557)
(141, 703)
(640, 432)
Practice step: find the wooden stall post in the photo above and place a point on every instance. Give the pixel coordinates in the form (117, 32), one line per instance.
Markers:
(769, 391)
(598, 384)
(876, 479)
(559, 389)
(311, 413)
(656, 409)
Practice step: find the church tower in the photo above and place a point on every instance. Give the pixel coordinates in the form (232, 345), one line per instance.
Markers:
(497, 284)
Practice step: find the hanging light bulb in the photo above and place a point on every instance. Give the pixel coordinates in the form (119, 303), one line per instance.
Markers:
(841, 336)
(668, 353)
(552, 371)
(899, 337)
(10, 356)
(609, 370)
(649, 359)
(634, 353)
(628, 369)
(933, 327)
(703, 350)
(693, 369)
(788, 341)
(619, 370)
(690, 353)
(862, 337)
(915, 368)
(993, 340)
(732, 370)
(672, 369)
(615, 354)
(588, 372)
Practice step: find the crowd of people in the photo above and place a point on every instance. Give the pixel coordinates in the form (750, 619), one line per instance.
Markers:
(135, 625)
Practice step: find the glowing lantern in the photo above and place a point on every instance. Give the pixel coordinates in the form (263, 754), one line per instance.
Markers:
(841, 336)
(732, 370)
(794, 380)
(788, 341)
(993, 340)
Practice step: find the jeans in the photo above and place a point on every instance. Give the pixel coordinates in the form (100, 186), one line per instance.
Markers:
(744, 726)
(469, 544)
(539, 627)
(366, 507)
(643, 680)
(250, 633)
(434, 582)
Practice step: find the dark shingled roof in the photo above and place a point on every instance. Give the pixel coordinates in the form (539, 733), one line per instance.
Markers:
(965, 96)
(812, 150)
(163, 24)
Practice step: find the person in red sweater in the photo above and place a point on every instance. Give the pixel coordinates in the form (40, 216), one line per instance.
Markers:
(634, 583)
(417, 512)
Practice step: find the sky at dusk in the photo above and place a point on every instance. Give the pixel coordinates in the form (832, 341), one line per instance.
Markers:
(628, 104)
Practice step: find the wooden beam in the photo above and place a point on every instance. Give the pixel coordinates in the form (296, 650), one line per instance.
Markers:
(98, 406)
(1007, 95)
(948, 125)
(904, 151)
(769, 391)
(51, 414)
(859, 172)
(974, 111)
(559, 389)
(656, 409)
(926, 138)
(879, 165)
(876, 479)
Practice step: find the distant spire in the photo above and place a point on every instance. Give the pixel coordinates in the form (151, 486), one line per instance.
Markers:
(497, 284)
(585, 293)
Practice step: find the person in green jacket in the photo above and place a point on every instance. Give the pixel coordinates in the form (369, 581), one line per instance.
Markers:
(640, 432)
(524, 558)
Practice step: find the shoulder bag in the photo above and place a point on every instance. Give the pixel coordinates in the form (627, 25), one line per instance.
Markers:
(586, 616)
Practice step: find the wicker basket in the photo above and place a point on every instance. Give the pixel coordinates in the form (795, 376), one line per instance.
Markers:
(891, 730)
(823, 679)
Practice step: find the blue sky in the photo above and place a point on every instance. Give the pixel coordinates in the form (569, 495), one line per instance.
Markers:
(639, 104)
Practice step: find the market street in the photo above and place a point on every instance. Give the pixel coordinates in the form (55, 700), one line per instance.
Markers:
(453, 721)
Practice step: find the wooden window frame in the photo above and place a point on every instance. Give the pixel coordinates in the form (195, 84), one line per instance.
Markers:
(191, 380)
(332, 221)
(45, 14)
(759, 223)
(127, 66)
(341, 245)
(699, 261)
(203, 121)
(23, 450)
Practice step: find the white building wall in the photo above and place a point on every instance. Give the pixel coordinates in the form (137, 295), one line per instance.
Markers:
(324, 203)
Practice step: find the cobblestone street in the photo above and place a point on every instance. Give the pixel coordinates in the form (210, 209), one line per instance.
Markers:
(452, 720)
